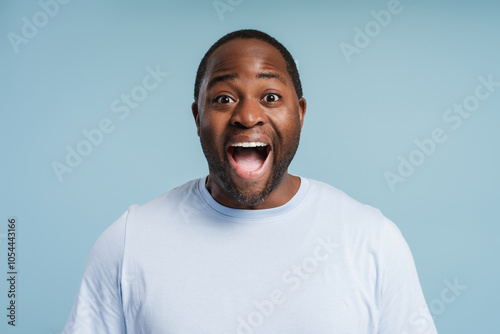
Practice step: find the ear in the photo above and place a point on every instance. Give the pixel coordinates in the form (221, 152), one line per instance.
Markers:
(196, 115)
(302, 110)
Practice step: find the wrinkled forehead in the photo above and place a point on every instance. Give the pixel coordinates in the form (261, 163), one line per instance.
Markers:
(252, 54)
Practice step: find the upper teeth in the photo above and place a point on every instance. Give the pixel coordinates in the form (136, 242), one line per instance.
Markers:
(249, 144)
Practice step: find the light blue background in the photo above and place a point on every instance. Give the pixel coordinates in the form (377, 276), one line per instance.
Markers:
(361, 116)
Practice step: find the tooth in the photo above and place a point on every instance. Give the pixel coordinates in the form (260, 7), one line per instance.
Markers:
(250, 144)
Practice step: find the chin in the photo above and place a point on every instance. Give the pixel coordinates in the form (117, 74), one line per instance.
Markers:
(248, 193)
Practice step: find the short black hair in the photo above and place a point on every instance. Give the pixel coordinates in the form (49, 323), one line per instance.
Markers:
(249, 34)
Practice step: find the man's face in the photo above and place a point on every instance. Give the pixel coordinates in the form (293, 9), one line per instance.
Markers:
(249, 121)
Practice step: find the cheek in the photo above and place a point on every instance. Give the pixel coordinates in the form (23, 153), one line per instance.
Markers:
(211, 129)
(287, 125)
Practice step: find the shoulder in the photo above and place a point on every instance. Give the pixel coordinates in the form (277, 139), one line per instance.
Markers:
(172, 208)
(357, 222)
(108, 250)
(167, 201)
(342, 206)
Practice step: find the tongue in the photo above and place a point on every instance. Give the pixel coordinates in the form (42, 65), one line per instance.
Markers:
(248, 159)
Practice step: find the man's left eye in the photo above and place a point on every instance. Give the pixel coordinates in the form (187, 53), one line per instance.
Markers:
(272, 97)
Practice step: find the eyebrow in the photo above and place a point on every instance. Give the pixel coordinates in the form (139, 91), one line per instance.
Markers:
(226, 77)
(271, 75)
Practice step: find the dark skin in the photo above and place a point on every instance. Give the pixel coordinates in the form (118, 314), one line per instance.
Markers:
(246, 96)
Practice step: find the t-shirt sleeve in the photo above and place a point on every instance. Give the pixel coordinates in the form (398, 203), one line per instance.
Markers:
(98, 306)
(402, 306)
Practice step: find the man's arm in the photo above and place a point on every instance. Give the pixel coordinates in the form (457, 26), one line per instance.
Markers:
(98, 304)
(402, 306)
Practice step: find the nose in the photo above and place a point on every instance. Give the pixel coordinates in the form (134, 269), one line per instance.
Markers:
(247, 114)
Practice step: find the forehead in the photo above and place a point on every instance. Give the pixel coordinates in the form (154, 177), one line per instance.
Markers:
(248, 54)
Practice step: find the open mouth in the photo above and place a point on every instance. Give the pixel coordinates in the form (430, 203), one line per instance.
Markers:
(248, 158)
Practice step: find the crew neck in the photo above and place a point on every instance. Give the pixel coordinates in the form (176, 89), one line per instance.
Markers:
(260, 214)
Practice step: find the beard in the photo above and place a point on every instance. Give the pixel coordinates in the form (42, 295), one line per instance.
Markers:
(245, 196)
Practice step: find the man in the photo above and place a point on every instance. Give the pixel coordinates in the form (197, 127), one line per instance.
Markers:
(250, 248)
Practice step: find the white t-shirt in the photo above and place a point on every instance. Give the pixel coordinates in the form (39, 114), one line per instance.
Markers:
(322, 263)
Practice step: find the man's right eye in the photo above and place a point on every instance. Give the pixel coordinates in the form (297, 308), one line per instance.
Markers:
(224, 99)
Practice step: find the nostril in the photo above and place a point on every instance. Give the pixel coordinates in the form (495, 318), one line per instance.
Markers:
(247, 116)
(246, 125)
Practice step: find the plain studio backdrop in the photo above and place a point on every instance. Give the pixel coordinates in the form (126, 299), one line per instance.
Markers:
(403, 115)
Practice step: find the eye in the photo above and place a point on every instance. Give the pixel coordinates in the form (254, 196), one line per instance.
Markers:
(272, 97)
(224, 99)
